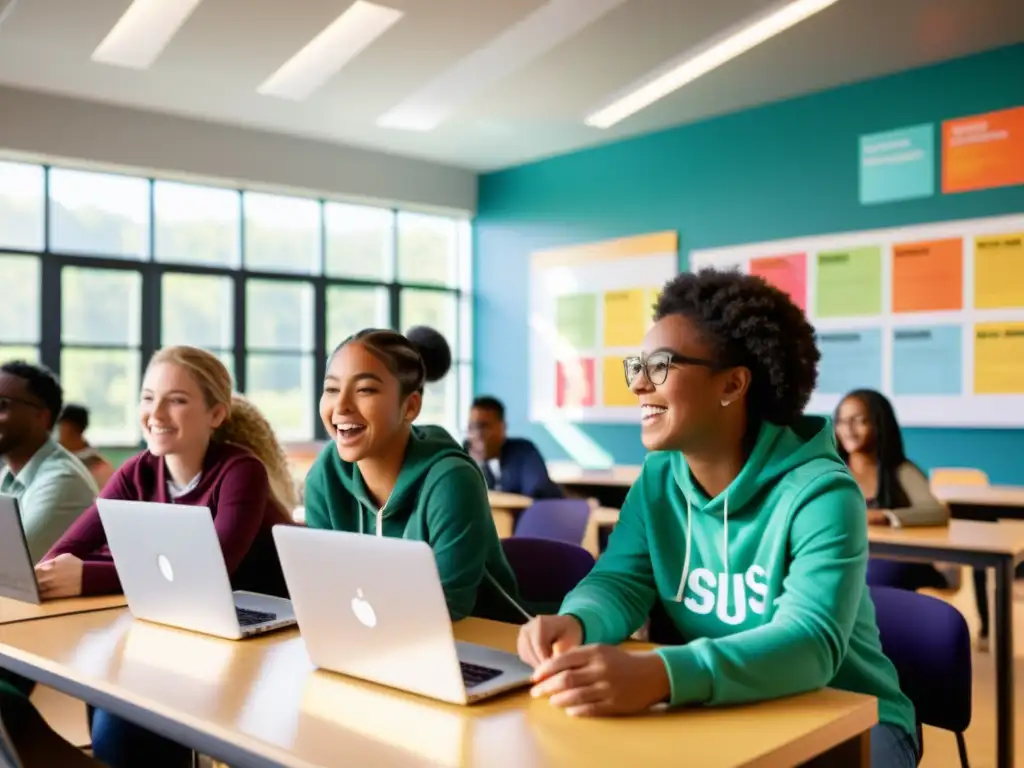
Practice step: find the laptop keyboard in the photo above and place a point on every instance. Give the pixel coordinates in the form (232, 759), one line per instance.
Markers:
(248, 618)
(474, 674)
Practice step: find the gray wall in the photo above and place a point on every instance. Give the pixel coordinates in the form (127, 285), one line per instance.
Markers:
(45, 127)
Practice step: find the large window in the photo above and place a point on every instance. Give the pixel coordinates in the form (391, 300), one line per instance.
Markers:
(103, 269)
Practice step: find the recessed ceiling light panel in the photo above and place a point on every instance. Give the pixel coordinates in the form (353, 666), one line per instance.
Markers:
(141, 34)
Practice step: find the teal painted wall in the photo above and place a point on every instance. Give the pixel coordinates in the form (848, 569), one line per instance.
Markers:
(784, 170)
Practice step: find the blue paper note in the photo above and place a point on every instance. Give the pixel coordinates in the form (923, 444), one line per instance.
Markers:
(927, 360)
(850, 359)
(897, 165)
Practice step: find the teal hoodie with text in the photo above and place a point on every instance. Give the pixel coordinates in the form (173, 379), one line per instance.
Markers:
(440, 498)
(765, 582)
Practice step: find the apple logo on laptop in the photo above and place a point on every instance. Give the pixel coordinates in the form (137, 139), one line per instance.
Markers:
(165, 567)
(363, 610)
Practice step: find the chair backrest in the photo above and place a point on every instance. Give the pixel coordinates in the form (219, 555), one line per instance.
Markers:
(558, 519)
(546, 571)
(928, 642)
(958, 476)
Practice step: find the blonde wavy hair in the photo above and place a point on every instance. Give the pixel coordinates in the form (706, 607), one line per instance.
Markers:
(244, 425)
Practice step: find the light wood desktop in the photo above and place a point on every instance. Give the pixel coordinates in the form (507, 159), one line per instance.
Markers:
(260, 702)
(505, 508)
(12, 611)
(981, 495)
(615, 476)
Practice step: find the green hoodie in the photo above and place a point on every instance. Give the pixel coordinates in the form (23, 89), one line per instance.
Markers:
(440, 498)
(789, 535)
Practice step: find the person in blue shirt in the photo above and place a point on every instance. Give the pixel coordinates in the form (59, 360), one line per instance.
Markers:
(510, 464)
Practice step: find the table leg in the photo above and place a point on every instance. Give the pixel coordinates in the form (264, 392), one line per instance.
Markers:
(1004, 662)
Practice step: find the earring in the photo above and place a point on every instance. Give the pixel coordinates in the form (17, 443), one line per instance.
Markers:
(725, 403)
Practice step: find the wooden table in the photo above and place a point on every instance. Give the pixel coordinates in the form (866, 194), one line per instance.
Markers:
(982, 502)
(259, 702)
(13, 611)
(505, 509)
(997, 545)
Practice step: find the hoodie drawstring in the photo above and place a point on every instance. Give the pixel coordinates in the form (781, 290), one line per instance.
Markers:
(689, 540)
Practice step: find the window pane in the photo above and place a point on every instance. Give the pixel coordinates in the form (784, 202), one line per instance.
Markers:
(359, 241)
(437, 309)
(439, 403)
(19, 308)
(28, 354)
(281, 386)
(196, 225)
(352, 309)
(282, 234)
(427, 249)
(21, 206)
(101, 306)
(99, 214)
(107, 382)
(198, 310)
(279, 315)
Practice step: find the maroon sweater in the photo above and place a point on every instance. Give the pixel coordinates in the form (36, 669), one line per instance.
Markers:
(233, 485)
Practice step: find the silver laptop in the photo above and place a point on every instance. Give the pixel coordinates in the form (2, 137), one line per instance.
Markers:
(169, 560)
(373, 608)
(17, 574)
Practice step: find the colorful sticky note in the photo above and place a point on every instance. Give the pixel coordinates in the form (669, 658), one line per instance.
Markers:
(999, 358)
(928, 276)
(999, 271)
(624, 314)
(576, 320)
(849, 360)
(615, 392)
(787, 273)
(897, 164)
(927, 360)
(849, 282)
(574, 383)
(983, 151)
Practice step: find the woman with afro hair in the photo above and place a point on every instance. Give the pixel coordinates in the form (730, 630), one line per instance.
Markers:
(744, 528)
(382, 476)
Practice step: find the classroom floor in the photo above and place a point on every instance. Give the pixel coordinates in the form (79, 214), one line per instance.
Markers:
(68, 716)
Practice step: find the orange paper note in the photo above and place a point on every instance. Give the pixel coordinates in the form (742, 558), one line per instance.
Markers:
(983, 151)
(928, 276)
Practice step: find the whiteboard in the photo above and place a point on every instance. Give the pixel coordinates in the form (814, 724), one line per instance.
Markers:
(931, 315)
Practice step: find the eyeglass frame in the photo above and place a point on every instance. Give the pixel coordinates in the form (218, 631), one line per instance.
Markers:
(673, 358)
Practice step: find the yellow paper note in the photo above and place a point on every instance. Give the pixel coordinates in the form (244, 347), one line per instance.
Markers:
(999, 271)
(624, 318)
(616, 393)
(999, 358)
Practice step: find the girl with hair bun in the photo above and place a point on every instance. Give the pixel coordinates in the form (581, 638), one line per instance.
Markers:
(206, 446)
(383, 476)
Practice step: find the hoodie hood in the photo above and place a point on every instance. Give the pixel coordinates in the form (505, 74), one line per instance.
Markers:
(428, 445)
(778, 451)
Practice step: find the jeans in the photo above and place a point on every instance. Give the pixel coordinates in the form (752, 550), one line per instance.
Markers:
(892, 747)
(119, 743)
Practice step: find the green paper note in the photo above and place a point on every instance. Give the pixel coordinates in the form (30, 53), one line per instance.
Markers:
(576, 320)
(849, 282)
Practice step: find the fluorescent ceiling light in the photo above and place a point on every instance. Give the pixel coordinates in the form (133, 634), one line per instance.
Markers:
(340, 42)
(728, 46)
(142, 32)
(524, 41)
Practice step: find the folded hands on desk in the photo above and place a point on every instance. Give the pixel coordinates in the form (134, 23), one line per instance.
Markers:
(589, 679)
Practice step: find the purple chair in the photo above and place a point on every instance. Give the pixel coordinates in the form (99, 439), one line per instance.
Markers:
(929, 644)
(556, 519)
(546, 570)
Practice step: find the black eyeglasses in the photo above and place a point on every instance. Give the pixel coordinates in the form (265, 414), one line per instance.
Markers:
(656, 365)
(7, 403)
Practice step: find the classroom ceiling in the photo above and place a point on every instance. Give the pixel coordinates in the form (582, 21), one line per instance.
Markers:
(213, 65)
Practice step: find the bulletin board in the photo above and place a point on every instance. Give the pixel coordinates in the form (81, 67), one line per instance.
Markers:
(931, 315)
(590, 306)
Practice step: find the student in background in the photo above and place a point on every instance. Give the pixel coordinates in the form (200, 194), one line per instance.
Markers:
(896, 491)
(744, 524)
(52, 487)
(205, 447)
(382, 476)
(71, 427)
(510, 464)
